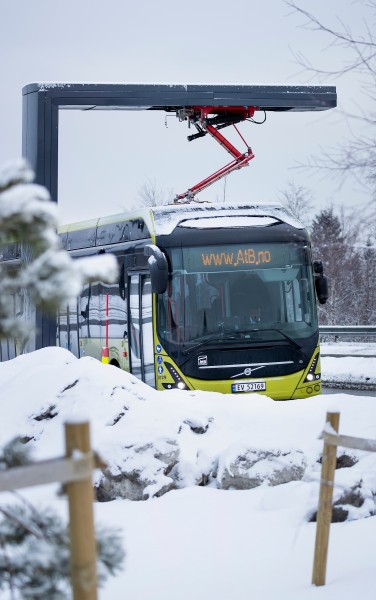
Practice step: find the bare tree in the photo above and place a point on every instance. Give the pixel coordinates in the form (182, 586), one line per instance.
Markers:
(299, 200)
(357, 156)
(150, 194)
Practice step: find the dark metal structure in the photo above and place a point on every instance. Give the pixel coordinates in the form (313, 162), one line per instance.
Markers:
(42, 102)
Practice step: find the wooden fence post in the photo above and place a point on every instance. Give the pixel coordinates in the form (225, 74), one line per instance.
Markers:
(324, 513)
(82, 535)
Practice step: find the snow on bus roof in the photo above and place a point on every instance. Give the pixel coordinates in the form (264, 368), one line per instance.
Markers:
(200, 215)
(228, 222)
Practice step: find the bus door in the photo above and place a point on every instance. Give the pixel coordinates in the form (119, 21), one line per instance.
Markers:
(140, 332)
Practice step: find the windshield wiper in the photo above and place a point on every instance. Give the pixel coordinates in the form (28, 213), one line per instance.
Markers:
(210, 340)
(240, 335)
(288, 338)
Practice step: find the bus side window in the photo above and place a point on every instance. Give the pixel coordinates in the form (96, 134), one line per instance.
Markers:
(305, 300)
(117, 310)
(134, 324)
(73, 327)
(88, 311)
(296, 295)
(62, 328)
(147, 332)
(289, 300)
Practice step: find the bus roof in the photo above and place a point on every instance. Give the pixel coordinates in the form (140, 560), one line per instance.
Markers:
(207, 215)
(162, 220)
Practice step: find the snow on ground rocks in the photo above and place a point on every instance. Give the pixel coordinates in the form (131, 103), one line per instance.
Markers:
(143, 472)
(154, 442)
(251, 467)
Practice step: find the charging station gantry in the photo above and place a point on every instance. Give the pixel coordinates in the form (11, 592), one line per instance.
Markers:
(208, 108)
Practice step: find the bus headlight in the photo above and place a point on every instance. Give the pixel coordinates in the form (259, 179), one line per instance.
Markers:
(311, 375)
(178, 381)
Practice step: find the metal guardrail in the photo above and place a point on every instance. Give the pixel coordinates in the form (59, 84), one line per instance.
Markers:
(348, 330)
(335, 349)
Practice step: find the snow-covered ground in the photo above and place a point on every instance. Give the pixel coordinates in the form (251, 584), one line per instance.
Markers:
(346, 365)
(199, 541)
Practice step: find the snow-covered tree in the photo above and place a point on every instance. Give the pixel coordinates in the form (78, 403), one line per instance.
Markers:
(34, 547)
(35, 543)
(334, 242)
(35, 553)
(327, 231)
(367, 292)
(28, 235)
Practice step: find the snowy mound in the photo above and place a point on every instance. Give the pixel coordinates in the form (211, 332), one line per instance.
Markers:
(154, 442)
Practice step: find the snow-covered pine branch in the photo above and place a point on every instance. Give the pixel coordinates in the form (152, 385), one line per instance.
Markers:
(51, 277)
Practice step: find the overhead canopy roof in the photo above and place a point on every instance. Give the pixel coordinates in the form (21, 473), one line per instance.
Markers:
(170, 97)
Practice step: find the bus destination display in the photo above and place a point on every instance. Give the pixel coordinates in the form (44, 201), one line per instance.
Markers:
(240, 257)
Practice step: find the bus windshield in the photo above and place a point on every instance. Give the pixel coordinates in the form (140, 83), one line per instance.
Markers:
(256, 292)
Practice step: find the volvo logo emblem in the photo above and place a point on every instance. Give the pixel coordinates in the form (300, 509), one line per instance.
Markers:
(248, 371)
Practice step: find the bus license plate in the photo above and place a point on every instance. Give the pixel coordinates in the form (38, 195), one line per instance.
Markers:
(248, 386)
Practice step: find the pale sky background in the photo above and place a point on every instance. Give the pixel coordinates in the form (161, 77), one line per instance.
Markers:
(106, 156)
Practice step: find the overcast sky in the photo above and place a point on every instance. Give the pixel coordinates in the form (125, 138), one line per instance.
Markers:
(106, 156)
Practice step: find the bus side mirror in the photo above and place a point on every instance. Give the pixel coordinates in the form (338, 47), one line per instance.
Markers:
(321, 282)
(158, 268)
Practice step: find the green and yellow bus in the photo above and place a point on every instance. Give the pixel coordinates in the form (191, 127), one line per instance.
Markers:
(214, 297)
